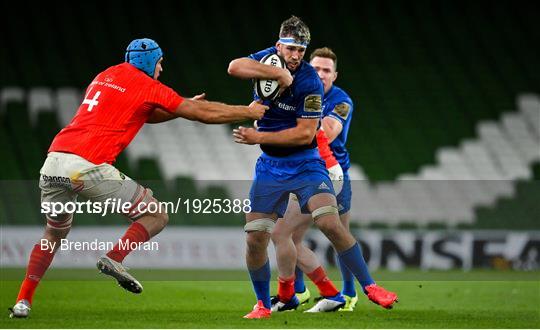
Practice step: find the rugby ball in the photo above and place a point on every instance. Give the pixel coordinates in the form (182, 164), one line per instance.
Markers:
(268, 89)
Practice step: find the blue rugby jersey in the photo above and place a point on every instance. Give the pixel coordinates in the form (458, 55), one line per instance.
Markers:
(338, 105)
(301, 100)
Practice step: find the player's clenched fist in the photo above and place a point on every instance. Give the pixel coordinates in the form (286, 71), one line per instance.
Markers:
(257, 110)
(285, 78)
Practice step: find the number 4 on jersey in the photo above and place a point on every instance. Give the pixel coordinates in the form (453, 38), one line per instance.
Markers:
(91, 102)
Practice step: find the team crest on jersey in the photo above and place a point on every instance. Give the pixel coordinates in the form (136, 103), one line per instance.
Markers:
(342, 110)
(312, 103)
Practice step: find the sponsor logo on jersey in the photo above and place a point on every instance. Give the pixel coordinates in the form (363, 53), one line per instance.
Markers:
(285, 107)
(56, 181)
(312, 103)
(342, 110)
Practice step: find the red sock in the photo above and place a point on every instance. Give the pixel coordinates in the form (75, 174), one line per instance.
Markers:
(135, 233)
(324, 284)
(285, 289)
(37, 266)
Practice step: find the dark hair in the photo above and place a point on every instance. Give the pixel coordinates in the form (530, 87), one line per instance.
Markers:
(326, 53)
(295, 28)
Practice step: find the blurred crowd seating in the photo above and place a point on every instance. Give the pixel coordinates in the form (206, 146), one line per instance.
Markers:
(187, 159)
(443, 91)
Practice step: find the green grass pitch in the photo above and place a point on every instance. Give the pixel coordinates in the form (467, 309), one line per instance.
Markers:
(218, 299)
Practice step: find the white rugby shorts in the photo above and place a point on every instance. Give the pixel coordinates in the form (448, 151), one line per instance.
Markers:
(64, 176)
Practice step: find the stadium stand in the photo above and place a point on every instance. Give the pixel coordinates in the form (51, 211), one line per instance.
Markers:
(434, 84)
(67, 99)
(189, 159)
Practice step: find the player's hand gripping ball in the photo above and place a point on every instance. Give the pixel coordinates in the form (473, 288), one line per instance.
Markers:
(268, 89)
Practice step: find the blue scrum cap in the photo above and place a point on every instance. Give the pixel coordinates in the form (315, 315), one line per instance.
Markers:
(144, 55)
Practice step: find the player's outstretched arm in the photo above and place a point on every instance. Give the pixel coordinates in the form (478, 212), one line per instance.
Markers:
(219, 113)
(332, 165)
(159, 115)
(332, 127)
(302, 134)
(324, 149)
(247, 68)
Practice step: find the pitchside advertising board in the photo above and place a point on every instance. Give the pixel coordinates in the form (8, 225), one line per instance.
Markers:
(224, 248)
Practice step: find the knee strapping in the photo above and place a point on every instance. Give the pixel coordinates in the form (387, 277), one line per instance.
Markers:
(60, 221)
(264, 224)
(324, 210)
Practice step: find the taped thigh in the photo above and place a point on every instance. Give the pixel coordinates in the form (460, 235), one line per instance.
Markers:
(139, 202)
(264, 225)
(323, 211)
(59, 221)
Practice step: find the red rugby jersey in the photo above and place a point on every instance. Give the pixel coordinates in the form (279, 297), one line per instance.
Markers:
(116, 105)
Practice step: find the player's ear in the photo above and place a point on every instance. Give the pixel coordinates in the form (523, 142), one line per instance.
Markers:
(335, 76)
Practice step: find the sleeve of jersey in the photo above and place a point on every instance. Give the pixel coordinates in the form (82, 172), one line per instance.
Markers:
(341, 112)
(260, 54)
(310, 103)
(165, 97)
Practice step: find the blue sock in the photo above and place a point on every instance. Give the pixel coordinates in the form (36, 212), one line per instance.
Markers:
(299, 285)
(260, 278)
(354, 261)
(348, 279)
